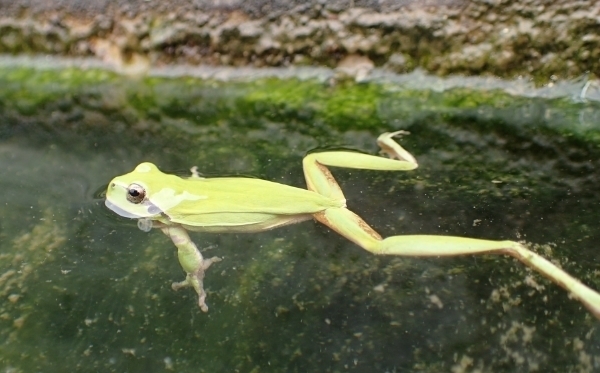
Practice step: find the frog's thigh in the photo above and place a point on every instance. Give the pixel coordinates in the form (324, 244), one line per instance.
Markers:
(351, 226)
(354, 228)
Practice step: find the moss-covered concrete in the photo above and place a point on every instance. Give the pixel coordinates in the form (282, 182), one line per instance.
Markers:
(548, 40)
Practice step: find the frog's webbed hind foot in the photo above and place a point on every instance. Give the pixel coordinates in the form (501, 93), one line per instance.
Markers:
(196, 280)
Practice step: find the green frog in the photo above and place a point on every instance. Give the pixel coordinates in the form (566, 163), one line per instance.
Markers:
(237, 204)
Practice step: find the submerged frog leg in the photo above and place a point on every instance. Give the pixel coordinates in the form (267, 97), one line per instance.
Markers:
(195, 173)
(191, 261)
(351, 226)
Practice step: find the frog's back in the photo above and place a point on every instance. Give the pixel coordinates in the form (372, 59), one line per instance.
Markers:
(245, 202)
(240, 194)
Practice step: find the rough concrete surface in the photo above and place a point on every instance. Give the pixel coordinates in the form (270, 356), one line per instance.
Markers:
(543, 39)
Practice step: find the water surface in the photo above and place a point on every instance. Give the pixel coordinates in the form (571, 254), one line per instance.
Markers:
(85, 290)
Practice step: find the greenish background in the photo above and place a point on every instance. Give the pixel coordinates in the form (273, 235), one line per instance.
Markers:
(84, 290)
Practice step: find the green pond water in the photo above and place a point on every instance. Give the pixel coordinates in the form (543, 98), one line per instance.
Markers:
(84, 290)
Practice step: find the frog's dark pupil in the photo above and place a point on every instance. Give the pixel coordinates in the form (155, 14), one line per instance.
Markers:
(133, 193)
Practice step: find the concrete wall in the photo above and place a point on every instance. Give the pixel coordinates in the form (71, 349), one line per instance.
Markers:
(543, 39)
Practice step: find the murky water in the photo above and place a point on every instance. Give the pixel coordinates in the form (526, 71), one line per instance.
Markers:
(85, 290)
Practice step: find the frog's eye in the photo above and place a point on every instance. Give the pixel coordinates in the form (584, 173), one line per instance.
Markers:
(135, 193)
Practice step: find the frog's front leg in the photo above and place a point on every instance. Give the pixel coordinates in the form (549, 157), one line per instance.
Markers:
(191, 261)
(351, 226)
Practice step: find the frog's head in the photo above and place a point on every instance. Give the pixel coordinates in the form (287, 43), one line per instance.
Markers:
(131, 195)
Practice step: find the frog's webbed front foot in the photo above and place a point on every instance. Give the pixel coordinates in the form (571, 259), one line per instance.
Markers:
(196, 280)
(191, 261)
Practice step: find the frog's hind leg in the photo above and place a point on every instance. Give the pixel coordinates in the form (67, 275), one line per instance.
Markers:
(319, 179)
(351, 226)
